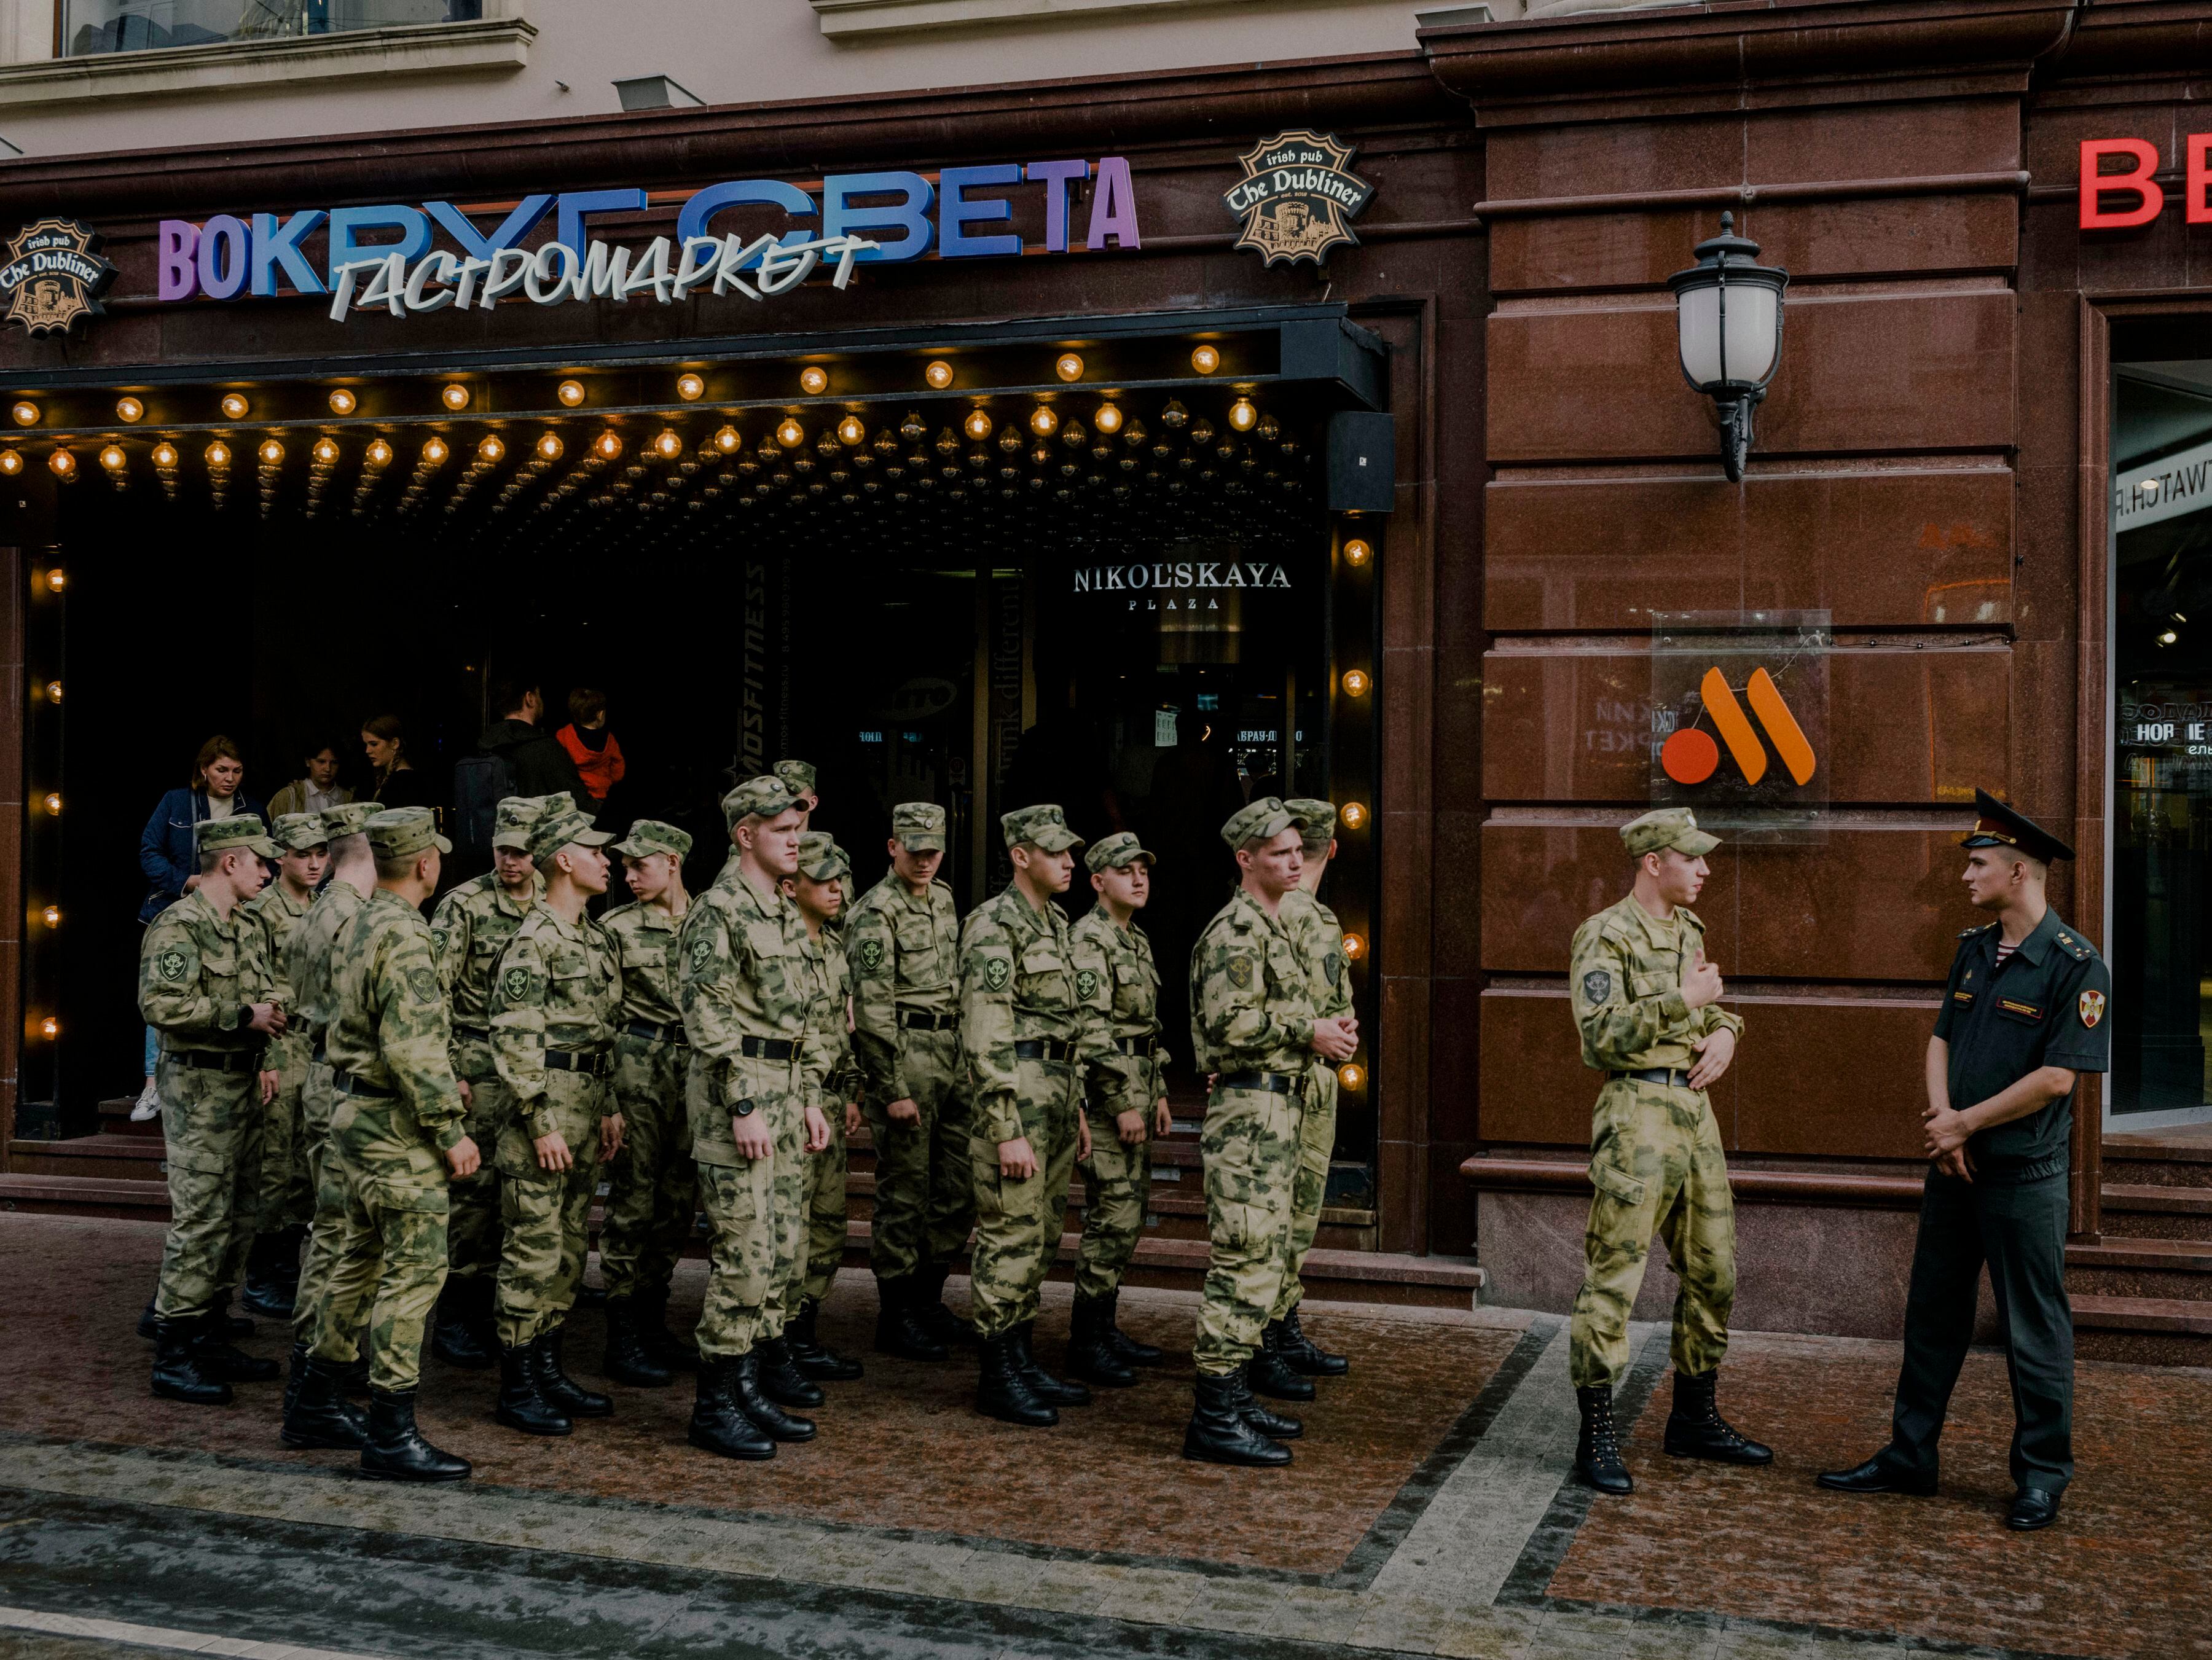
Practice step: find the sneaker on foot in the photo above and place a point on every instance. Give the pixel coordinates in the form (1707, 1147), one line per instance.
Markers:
(149, 1106)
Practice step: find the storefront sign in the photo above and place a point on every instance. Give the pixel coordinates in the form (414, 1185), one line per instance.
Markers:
(1296, 197)
(2132, 196)
(2163, 489)
(1180, 585)
(54, 275)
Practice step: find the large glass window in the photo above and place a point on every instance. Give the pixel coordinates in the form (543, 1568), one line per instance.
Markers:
(99, 26)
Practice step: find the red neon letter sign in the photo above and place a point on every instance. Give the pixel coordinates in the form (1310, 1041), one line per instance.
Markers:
(2150, 200)
(2200, 177)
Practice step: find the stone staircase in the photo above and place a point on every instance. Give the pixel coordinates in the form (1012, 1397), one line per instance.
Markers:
(2143, 1291)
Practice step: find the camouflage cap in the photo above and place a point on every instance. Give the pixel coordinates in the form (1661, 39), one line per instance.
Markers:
(240, 829)
(820, 858)
(650, 835)
(396, 832)
(1043, 826)
(1114, 851)
(797, 776)
(1262, 820)
(1664, 828)
(515, 818)
(294, 831)
(763, 797)
(1316, 819)
(919, 826)
(349, 818)
(556, 830)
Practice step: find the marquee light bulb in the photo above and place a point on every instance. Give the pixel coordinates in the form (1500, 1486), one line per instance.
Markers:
(235, 406)
(1356, 683)
(690, 388)
(342, 402)
(53, 691)
(50, 1027)
(1351, 1077)
(129, 411)
(57, 580)
(1353, 815)
(51, 916)
(380, 453)
(1358, 552)
(608, 445)
(548, 446)
(271, 452)
(977, 425)
(729, 440)
(669, 444)
(939, 373)
(790, 434)
(1204, 359)
(1242, 415)
(26, 414)
(62, 462)
(113, 458)
(435, 452)
(814, 381)
(454, 397)
(1355, 948)
(851, 430)
(1043, 422)
(165, 455)
(570, 392)
(1069, 367)
(1109, 419)
(53, 803)
(325, 451)
(11, 463)
(491, 451)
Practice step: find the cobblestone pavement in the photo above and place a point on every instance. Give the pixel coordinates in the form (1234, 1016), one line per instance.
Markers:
(1429, 1512)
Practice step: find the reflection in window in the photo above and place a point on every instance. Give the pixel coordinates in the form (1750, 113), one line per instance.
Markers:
(102, 26)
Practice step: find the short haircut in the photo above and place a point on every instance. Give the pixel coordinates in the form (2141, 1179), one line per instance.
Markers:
(398, 867)
(585, 704)
(508, 691)
(217, 748)
(1311, 844)
(210, 858)
(344, 847)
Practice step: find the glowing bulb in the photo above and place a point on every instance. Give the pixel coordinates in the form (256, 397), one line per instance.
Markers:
(851, 430)
(26, 414)
(548, 446)
(235, 406)
(977, 425)
(380, 453)
(570, 392)
(1352, 815)
(1069, 367)
(325, 451)
(271, 452)
(939, 373)
(813, 381)
(1357, 552)
(1109, 419)
(57, 580)
(1351, 1077)
(50, 1027)
(790, 434)
(342, 402)
(1355, 683)
(435, 452)
(608, 445)
(2168, 637)
(129, 411)
(62, 462)
(1242, 415)
(51, 916)
(1204, 359)
(11, 463)
(1355, 948)
(690, 388)
(454, 397)
(53, 691)
(669, 444)
(113, 458)
(54, 802)
(491, 451)
(728, 440)
(165, 455)
(1043, 422)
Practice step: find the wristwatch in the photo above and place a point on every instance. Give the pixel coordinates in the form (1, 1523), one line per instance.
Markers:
(744, 1109)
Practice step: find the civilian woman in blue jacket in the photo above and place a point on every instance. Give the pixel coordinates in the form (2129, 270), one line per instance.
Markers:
(168, 853)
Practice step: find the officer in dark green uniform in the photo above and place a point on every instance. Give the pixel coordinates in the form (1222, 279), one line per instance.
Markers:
(2027, 1009)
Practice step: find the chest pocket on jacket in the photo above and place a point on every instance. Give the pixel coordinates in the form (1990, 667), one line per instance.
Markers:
(219, 967)
(780, 977)
(578, 986)
(920, 962)
(1642, 985)
(1136, 988)
(2026, 1011)
(1044, 981)
(1285, 976)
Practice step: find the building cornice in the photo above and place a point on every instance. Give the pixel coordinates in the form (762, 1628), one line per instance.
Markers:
(871, 17)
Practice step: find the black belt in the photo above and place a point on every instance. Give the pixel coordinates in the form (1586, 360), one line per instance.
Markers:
(767, 1049)
(923, 1020)
(673, 1032)
(217, 1060)
(349, 1084)
(1274, 1083)
(1144, 1045)
(597, 1063)
(1666, 1077)
(321, 1056)
(1044, 1049)
(460, 1031)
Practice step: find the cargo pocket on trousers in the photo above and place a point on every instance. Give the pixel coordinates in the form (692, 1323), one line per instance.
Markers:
(1240, 1228)
(1613, 1183)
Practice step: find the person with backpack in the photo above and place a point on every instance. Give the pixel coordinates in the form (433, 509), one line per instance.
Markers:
(537, 763)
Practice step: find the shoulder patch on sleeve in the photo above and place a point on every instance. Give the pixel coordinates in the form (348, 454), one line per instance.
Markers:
(1597, 985)
(998, 969)
(2092, 1008)
(515, 983)
(1240, 972)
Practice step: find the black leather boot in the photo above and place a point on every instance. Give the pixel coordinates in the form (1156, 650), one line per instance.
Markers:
(147, 1320)
(522, 1403)
(629, 1359)
(395, 1449)
(1273, 1424)
(1133, 1353)
(1001, 1391)
(291, 1249)
(1268, 1373)
(1695, 1428)
(1597, 1448)
(562, 1390)
(939, 1320)
(318, 1415)
(1091, 1355)
(753, 1401)
(295, 1373)
(717, 1424)
(1302, 1355)
(673, 1349)
(807, 1354)
(266, 1293)
(781, 1381)
(898, 1331)
(218, 1357)
(1218, 1433)
(456, 1337)
(229, 1324)
(1052, 1390)
(178, 1372)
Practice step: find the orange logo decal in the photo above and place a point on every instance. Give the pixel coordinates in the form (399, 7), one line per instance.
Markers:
(1690, 756)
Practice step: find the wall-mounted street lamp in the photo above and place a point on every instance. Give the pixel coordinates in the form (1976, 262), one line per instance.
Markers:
(1727, 309)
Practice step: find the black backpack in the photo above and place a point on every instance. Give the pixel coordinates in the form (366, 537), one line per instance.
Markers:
(480, 783)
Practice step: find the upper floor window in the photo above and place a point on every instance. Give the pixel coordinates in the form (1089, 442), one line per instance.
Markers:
(103, 26)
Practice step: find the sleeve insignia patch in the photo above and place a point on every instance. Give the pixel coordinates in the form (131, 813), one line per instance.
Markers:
(1240, 973)
(515, 982)
(701, 949)
(996, 970)
(2092, 1008)
(1332, 968)
(1597, 985)
(1086, 984)
(438, 939)
(172, 963)
(869, 955)
(423, 985)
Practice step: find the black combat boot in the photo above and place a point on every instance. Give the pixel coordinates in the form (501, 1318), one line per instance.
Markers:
(395, 1449)
(522, 1403)
(179, 1371)
(225, 1322)
(898, 1330)
(1273, 1424)
(456, 1337)
(291, 1254)
(1133, 1353)
(628, 1358)
(147, 1320)
(295, 1373)
(1268, 1373)
(717, 1424)
(1218, 1433)
(1302, 1355)
(781, 1380)
(317, 1415)
(219, 1358)
(1001, 1392)
(1052, 1390)
(1091, 1355)
(266, 1293)
(1695, 1428)
(1597, 1448)
(674, 1349)
(939, 1320)
(824, 1366)
(753, 1401)
(562, 1390)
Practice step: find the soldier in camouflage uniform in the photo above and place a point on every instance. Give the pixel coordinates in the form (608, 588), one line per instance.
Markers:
(1028, 1042)
(205, 989)
(1125, 1098)
(555, 996)
(285, 1199)
(1647, 1004)
(399, 1134)
(903, 939)
(745, 987)
(470, 930)
(1255, 1032)
(833, 1084)
(652, 1188)
(798, 777)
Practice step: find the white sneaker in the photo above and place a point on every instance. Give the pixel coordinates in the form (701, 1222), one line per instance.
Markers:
(149, 1106)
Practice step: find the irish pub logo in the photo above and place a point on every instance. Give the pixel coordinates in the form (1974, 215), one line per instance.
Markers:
(1299, 197)
(54, 275)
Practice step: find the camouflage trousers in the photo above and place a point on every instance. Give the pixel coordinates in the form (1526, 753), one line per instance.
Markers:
(1317, 1146)
(389, 1268)
(925, 1193)
(1117, 1180)
(544, 1213)
(327, 1232)
(472, 1232)
(652, 1186)
(285, 1193)
(1657, 1162)
(754, 1207)
(821, 1250)
(1018, 1223)
(213, 1122)
(1250, 1144)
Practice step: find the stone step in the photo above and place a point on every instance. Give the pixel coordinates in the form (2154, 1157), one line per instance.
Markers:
(2145, 1330)
(2178, 1269)
(2167, 1158)
(103, 1157)
(115, 1119)
(2133, 1212)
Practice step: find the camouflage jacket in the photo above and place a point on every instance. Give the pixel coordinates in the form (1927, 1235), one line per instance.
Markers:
(741, 974)
(1018, 975)
(1320, 939)
(1625, 976)
(1251, 995)
(389, 1028)
(274, 911)
(309, 965)
(644, 940)
(469, 931)
(905, 954)
(1117, 980)
(832, 1076)
(556, 987)
(198, 975)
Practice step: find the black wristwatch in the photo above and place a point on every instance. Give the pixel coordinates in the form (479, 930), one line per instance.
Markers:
(744, 1109)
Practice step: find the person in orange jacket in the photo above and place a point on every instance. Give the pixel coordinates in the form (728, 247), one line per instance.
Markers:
(598, 757)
